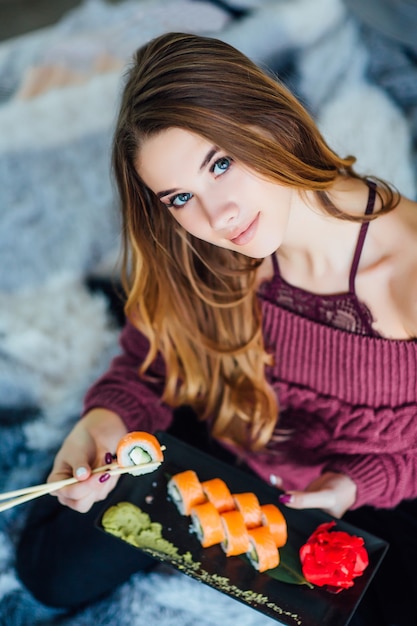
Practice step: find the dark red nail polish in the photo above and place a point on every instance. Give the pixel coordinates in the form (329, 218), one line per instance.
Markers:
(108, 459)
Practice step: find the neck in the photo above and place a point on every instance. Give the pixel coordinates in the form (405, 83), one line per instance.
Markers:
(318, 246)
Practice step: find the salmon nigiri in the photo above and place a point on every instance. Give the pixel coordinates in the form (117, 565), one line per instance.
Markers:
(262, 553)
(248, 504)
(274, 519)
(186, 491)
(207, 524)
(219, 494)
(139, 448)
(236, 540)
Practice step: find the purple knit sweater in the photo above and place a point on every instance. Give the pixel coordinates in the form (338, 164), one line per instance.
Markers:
(348, 404)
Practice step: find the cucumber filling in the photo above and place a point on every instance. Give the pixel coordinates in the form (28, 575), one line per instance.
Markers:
(138, 456)
(253, 555)
(198, 529)
(174, 493)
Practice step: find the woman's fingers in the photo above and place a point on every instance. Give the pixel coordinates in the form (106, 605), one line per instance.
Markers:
(82, 495)
(324, 500)
(332, 492)
(275, 480)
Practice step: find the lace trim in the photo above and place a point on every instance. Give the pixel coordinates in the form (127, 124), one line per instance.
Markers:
(343, 311)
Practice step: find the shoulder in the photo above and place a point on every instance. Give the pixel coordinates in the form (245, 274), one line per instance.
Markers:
(413, 303)
(389, 284)
(405, 276)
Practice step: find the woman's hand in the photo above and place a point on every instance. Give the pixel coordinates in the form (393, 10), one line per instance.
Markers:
(96, 434)
(332, 492)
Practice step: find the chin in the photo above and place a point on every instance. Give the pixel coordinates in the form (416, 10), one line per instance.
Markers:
(253, 250)
(254, 256)
(260, 251)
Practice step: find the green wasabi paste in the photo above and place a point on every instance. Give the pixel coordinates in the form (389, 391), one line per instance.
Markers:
(130, 523)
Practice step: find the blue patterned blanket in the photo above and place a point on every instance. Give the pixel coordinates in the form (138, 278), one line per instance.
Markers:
(59, 227)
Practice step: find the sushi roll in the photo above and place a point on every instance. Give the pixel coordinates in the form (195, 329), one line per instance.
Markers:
(274, 519)
(248, 504)
(236, 538)
(262, 553)
(186, 491)
(207, 524)
(217, 492)
(139, 448)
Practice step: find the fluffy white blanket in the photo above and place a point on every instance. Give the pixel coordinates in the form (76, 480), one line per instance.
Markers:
(59, 89)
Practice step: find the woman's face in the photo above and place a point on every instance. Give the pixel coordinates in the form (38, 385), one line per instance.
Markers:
(213, 197)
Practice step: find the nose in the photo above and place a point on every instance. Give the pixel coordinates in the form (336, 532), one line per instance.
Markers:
(222, 214)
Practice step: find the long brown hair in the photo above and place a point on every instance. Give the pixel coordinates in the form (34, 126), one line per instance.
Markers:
(196, 302)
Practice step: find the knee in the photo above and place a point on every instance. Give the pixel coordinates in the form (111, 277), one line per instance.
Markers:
(45, 555)
(66, 562)
(39, 573)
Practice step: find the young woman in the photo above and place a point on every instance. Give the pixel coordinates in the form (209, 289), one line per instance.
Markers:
(269, 287)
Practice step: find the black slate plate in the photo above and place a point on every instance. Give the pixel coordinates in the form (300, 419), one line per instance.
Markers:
(289, 604)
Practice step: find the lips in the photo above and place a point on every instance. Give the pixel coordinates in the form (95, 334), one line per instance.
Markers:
(247, 234)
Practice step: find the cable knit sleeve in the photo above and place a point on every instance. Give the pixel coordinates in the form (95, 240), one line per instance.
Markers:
(136, 400)
(382, 480)
(348, 403)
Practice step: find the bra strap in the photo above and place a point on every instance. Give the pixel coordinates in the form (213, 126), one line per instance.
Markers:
(362, 234)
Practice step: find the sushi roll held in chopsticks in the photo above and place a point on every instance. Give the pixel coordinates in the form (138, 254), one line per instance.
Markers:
(207, 524)
(185, 491)
(262, 553)
(139, 448)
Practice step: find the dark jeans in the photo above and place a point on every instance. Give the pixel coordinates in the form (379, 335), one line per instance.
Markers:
(65, 561)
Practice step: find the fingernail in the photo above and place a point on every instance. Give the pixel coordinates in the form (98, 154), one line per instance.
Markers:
(275, 480)
(80, 472)
(285, 498)
(108, 458)
(104, 477)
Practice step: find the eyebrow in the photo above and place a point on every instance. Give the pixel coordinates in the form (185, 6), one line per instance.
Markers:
(210, 154)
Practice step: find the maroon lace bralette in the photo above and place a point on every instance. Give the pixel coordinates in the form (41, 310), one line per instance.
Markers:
(341, 310)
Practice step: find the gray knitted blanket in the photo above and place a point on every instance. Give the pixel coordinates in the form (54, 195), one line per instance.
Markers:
(59, 89)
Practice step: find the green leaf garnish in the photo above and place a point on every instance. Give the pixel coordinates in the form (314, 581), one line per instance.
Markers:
(289, 569)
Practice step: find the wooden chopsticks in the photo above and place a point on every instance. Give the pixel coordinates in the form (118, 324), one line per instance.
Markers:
(19, 496)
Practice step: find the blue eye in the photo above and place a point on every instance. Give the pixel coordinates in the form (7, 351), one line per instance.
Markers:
(221, 165)
(180, 200)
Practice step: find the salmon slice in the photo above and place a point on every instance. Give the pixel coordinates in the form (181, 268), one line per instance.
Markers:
(273, 518)
(217, 492)
(207, 523)
(236, 540)
(248, 504)
(186, 491)
(263, 553)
